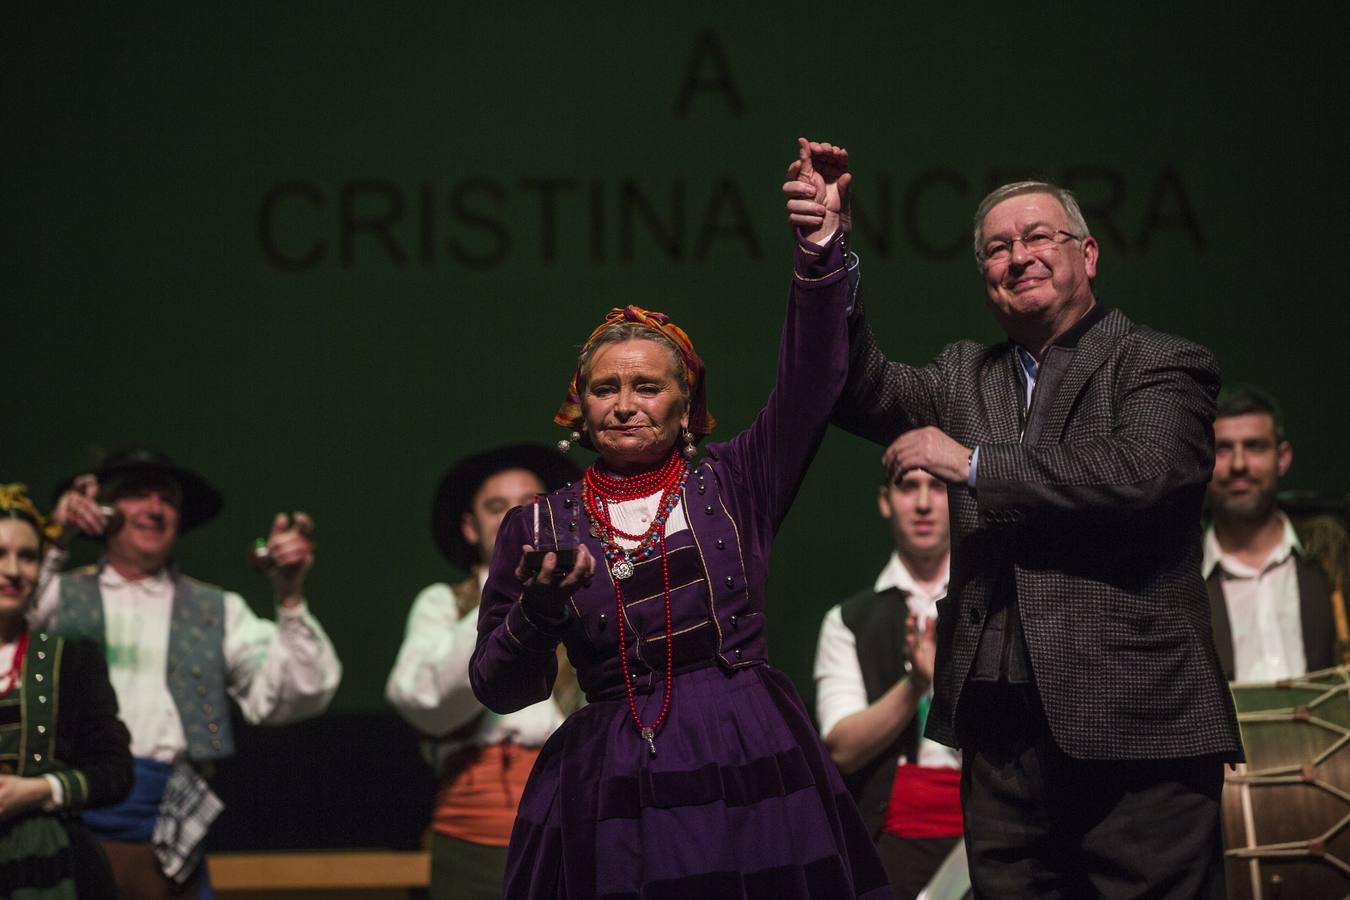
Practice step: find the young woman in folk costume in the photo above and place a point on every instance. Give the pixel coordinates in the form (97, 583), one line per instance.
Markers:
(62, 747)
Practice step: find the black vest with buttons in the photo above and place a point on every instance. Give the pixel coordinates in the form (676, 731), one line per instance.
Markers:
(877, 621)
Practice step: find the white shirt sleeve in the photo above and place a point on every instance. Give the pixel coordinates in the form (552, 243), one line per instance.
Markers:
(58, 798)
(279, 671)
(840, 691)
(42, 615)
(429, 684)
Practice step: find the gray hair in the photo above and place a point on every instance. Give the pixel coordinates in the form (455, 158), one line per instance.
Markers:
(1016, 189)
(630, 331)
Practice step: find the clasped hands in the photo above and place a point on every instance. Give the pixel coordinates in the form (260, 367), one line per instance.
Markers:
(817, 190)
(18, 794)
(818, 204)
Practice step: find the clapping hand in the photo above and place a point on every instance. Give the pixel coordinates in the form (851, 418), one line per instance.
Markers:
(921, 648)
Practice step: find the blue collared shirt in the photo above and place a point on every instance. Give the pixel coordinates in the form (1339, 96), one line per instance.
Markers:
(1032, 370)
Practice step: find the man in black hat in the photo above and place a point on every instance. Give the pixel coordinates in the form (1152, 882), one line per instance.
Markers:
(176, 649)
(481, 759)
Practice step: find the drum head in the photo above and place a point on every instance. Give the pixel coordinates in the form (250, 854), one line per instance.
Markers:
(1286, 812)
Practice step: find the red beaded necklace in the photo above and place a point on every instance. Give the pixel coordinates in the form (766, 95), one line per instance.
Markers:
(598, 491)
(635, 487)
(10, 678)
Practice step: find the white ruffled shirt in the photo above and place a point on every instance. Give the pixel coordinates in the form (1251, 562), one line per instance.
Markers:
(277, 672)
(429, 684)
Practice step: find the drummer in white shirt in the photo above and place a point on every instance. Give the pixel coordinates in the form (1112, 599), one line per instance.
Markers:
(481, 759)
(176, 648)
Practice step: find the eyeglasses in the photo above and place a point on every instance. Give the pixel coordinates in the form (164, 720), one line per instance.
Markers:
(1036, 242)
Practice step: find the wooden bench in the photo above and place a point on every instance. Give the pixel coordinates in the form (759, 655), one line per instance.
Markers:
(330, 874)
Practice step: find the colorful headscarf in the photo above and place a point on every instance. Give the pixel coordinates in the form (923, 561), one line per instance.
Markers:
(15, 502)
(701, 421)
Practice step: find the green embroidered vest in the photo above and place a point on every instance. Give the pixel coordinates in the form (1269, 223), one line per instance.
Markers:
(196, 659)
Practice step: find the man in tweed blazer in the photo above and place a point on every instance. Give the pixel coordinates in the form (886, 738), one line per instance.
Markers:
(1076, 666)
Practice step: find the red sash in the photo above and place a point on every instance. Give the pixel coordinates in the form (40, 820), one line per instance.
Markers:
(925, 803)
(478, 796)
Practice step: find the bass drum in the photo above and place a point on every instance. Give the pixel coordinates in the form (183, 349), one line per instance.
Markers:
(1286, 811)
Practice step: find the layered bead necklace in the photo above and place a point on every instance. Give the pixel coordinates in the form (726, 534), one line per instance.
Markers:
(598, 492)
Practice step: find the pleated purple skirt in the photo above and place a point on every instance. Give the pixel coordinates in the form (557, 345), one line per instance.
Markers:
(741, 800)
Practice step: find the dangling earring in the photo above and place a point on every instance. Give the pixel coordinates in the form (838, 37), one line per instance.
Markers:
(566, 443)
(689, 451)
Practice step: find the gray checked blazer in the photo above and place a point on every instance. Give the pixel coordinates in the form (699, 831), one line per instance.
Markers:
(1094, 505)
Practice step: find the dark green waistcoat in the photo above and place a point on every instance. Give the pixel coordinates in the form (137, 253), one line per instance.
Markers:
(28, 713)
(196, 660)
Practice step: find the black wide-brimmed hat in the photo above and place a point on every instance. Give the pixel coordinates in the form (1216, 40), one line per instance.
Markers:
(461, 482)
(201, 500)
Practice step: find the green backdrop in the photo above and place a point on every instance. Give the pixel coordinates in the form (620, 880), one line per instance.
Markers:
(318, 251)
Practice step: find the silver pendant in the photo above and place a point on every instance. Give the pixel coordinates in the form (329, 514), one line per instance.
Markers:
(623, 569)
(649, 735)
(595, 529)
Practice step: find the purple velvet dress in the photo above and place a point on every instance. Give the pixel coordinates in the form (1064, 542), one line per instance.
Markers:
(741, 799)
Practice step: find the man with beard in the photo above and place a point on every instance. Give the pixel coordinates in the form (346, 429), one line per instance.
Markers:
(1271, 602)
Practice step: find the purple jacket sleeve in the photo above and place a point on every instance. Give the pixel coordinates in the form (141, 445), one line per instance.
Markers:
(514, 664)
(768, 460)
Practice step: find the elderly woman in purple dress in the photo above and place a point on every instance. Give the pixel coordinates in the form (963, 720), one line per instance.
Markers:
(694, 770)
